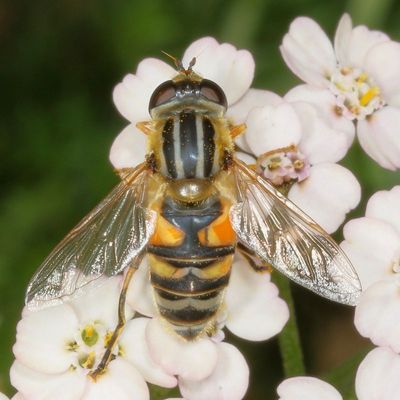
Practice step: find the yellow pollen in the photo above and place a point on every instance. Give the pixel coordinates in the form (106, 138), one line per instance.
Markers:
(88, 360)
(89, 335)
(298, 165)
(369, 95)
(275, 163)
(107, 338)
(362, 78)
(345, 70)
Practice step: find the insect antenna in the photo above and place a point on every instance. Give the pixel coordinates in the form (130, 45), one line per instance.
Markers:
(179, 65)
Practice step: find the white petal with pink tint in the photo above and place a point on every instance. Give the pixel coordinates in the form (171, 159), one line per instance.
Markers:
(86, 305)
(328, 194)
(255, 310)
(325, 102)
(342, 38)
(230, 68)
(352, 45)
(42, 339)
(385, 206)
(373, 247)
(270, 128)
(247, 158)
(193, 360)
(135, 350)
(121, 382)
(308, 52)
(319, 142)
(34, 385)
(132, 95)
(129, 148)
(383, 63)
(377, 314)
(307, 388)
(140, 291)
(239, 112)
(379, 137)
(228, 381)
(378, 376)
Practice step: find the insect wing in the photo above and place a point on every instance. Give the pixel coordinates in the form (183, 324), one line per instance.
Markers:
(284, 236)
(105, 242)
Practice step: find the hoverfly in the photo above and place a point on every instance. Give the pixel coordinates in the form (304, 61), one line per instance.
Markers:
(189, 207)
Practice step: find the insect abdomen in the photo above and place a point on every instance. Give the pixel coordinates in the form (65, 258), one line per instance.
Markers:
(190, 255)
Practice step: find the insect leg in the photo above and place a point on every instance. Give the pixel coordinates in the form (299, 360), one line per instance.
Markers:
(119, 328)
(249, 255)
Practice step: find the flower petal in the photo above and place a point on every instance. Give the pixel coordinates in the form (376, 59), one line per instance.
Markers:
(319, 143)
(307, 388)
(140, 291)
(373, 247)
(352, 45)
(3, 397)
(247, 158)
(379, 137)
(128, 148)
(194, 360)
(378, 376)
(135, 350)
(308, 52)
(342, 38)
(327, 195)
(385, 206)
(43, 336)
(325, 102)
(121, 382)
(230, 68)
(252, 99)
(377, 314)
(34, 385)
(383, 63)
(228, 381)
(99, 302)
(255, 310)
(270, 128)
(132, 95)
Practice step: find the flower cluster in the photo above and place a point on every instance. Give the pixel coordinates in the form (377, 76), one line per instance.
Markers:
(358, 74)
(296, 142)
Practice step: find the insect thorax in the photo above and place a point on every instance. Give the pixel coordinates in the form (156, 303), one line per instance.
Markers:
(190, 144)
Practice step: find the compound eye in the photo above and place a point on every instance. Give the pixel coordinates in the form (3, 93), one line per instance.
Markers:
(163, 93)
(211, 91)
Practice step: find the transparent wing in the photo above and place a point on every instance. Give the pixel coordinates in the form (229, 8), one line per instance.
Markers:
(105, 242)
(284, 236)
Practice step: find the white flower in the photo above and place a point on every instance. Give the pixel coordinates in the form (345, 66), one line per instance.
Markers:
(230, 68)
(296, 143)
(307, 388)
(378, 376)
(229, 379)
(377, 314)
(373, 242)
(58, 346)
(360, 71)
(373, 245)
(207, 368)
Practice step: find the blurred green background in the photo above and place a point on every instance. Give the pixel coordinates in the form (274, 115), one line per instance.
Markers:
(59, 63)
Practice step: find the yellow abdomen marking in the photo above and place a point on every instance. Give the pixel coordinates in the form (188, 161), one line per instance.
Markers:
(166, 234)
(220, 232)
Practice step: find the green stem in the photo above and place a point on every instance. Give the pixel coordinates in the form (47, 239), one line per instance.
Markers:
(289, 338)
